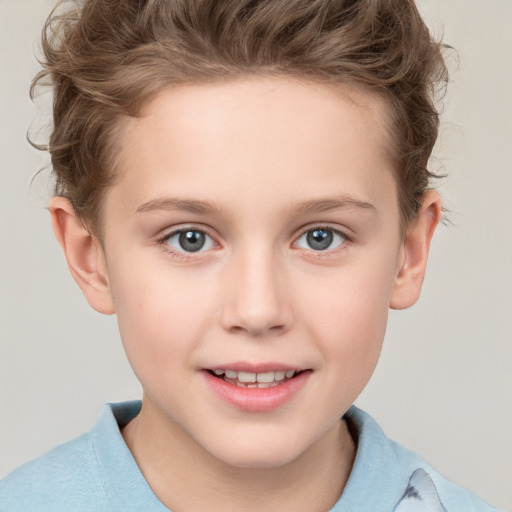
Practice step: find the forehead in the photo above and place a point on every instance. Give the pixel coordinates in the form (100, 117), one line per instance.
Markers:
(281, 139)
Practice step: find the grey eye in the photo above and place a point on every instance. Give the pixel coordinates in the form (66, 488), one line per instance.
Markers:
(320, 239)
(190, 240)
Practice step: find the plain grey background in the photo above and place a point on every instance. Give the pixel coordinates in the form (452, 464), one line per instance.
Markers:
(443, 386)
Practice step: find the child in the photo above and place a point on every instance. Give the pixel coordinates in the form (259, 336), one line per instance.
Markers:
(244, 185)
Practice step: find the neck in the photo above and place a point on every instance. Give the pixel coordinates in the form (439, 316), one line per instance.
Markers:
(176, 467)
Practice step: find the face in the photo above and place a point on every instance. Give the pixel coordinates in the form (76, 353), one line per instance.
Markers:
(252, 244)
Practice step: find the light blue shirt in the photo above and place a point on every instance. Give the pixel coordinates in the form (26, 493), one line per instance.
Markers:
(96, 472)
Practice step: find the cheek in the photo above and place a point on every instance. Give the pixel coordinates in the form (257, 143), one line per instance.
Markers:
(348, 315)
(353, 296)
(354, 326)
(161, 319)
(353, 345)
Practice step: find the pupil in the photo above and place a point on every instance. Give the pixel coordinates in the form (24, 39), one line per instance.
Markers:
(320, 239)
(192, 241)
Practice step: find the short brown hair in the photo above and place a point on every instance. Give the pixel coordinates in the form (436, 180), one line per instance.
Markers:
(107, 58)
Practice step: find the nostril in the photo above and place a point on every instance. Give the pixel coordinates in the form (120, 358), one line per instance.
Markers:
(256, 310)
(257, 331)
(277, 328)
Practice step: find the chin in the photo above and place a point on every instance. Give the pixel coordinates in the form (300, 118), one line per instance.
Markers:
(259, 454)
(258, 460)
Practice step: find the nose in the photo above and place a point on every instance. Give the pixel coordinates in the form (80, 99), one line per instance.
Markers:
(256, 300)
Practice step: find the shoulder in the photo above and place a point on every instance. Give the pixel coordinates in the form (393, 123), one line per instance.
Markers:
(66, 478)
(92, 473)
(429, 491)
(400, 477)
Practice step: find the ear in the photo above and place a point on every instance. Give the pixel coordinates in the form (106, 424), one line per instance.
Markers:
(414, 252)
(84, 255)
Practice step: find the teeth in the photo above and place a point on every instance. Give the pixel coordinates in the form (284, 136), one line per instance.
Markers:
(262, 379)
(266, 377)
(268, 384)
(247, 377)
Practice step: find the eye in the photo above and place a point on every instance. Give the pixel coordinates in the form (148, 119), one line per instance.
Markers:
(189, 240)
(321, 239)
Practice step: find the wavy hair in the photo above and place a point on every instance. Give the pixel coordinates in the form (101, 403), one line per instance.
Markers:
(106, 58)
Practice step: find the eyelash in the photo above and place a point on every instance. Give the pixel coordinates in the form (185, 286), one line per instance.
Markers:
(163, 241)
(184, 256)
(329, 251)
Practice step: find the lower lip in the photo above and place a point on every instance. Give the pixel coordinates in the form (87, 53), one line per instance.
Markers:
(257, 399)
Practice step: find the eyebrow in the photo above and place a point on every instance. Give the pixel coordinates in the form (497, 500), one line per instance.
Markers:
(325, 205)
(206, 207)
(174, 203)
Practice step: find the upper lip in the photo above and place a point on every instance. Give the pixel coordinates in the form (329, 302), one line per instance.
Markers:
(244, 366)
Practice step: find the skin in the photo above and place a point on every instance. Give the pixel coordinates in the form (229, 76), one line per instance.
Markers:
(257, 150)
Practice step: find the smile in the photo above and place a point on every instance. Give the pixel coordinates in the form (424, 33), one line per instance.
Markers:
(255, 380)
(256, 391)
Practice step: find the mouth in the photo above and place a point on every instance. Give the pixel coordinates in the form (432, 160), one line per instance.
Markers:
(256, 388)
(253, 380)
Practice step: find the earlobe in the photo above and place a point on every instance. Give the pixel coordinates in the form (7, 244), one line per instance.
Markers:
(84, 255)
(414, 252)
